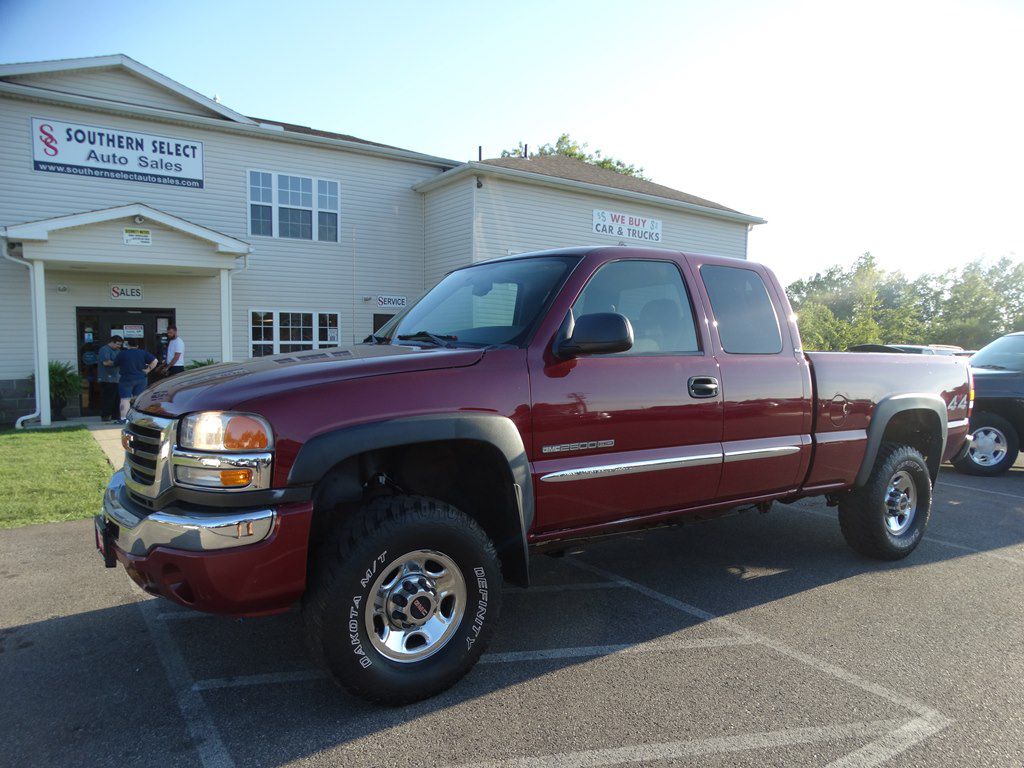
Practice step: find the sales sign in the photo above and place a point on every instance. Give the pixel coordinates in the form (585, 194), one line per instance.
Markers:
(124, 292)
(627, 225)
(112, 153)
(391, 302)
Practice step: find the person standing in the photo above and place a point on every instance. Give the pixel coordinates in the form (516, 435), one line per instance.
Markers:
(107, 375)
(133, 365)
(175, 351)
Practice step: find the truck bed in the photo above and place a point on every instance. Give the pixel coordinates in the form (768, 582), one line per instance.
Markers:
(849, 386)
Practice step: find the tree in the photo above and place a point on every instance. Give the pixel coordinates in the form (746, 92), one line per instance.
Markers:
(568, 147)
(820, 329)
(863, 304)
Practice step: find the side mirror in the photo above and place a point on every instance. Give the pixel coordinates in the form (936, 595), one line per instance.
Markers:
(601, 333)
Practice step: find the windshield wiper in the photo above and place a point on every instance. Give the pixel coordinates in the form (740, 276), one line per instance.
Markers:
(992, 367)
(440, 340)
(375, 339)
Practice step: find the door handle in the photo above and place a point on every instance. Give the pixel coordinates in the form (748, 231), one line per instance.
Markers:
(703, 386)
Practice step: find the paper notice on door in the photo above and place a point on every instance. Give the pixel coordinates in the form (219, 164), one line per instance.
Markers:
(134, 332)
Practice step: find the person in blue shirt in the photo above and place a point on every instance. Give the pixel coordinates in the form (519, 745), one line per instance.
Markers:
(133, 365)
(106, 374)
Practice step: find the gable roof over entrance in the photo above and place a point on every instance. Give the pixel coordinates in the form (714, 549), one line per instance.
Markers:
(40, 230)
(125, 63)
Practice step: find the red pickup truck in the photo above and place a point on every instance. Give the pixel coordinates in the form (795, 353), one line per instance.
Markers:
(522, 405)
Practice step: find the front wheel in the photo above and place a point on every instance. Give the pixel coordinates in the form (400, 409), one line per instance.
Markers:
(994, 448)
(403, 599)
(886, 518)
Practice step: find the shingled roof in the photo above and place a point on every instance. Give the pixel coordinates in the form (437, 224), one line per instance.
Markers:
(563, 167)
(305, 129)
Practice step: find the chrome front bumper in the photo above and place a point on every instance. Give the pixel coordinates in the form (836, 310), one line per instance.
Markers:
(173, 526)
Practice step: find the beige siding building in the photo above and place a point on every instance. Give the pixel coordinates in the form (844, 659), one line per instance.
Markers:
(129, 202)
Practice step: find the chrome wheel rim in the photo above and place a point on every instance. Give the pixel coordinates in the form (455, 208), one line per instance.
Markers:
(988, 447)
(415, 605)
(900, 503)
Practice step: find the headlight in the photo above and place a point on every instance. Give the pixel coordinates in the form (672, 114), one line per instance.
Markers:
(225, 431)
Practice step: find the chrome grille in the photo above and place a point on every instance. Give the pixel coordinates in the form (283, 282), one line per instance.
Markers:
(148, 441)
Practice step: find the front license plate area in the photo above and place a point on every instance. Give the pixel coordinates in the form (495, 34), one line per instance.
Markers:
(105, 541)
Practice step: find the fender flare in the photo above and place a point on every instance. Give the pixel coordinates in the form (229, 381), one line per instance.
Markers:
(884, 411)
(320, 454)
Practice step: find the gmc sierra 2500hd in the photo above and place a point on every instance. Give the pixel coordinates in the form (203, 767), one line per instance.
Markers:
(522, 404)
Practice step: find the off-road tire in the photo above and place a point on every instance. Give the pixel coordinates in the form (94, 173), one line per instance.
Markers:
(353, 554)
(969, 466)
(863, 511)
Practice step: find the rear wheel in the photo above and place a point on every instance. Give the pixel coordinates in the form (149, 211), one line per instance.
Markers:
(403, 599)
(994, 448)
(886, 518)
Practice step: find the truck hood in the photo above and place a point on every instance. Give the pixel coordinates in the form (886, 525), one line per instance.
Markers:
(228, 385)
(990, 383)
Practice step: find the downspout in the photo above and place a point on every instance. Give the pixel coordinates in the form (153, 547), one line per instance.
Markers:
(19, 424)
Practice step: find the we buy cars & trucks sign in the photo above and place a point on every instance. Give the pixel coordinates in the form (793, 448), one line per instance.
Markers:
(112, 153)
(627, 225)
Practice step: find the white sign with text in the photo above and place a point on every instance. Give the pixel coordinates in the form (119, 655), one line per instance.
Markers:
(133, 236)
(391, 302)
(113, 153)
(628, 225)
(123, 292)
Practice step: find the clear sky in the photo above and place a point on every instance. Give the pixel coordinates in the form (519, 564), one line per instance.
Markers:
(894, 127)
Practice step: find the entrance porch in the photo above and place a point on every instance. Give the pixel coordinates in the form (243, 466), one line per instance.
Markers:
(91, 271)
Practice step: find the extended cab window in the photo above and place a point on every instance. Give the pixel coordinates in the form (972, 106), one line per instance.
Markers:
(746, 318)
(652, 295)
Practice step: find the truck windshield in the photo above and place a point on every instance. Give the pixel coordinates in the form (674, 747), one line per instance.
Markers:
(490, 303)
(1005, 354)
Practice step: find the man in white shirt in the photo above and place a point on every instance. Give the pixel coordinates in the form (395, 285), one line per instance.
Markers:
(175, 352)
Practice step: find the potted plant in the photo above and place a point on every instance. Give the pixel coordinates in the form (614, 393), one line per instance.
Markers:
(65, 383)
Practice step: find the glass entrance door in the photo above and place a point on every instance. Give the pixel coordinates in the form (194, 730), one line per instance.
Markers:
(95, 326)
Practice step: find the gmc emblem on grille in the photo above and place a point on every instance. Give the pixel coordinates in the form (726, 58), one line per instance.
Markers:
(590, 445)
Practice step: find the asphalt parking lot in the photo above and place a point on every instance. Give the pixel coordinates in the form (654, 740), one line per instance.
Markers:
(750, 641)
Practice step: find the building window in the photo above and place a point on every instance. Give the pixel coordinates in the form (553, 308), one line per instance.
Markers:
(274, 331)
(294, 222)
(262, 332)
(281, 205)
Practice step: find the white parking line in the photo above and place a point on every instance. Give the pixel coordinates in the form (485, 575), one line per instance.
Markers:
(298, 676)
(198, 721)
(899, 740)
(587, 651)
(882, 749)
(947, 484)
(674, 750)
(507, 657)
(928, 538)
(586, 585)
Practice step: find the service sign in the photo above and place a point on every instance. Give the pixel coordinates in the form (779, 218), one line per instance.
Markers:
(123, 292)
(627, 225)
(136, 236)
(113, 153)
(391, 302)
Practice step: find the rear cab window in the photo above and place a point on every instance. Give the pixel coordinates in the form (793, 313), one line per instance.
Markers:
(743, 310)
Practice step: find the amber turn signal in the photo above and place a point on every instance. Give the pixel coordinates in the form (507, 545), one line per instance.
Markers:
(232, 478)
(244, 433)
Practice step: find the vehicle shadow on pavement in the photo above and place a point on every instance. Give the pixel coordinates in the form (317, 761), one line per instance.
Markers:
(91, 687)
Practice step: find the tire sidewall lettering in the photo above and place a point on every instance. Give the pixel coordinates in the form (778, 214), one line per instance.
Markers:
(480, 614)
(355, 611)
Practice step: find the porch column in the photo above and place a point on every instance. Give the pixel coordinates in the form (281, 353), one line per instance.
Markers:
(225, 315)
(42, 352)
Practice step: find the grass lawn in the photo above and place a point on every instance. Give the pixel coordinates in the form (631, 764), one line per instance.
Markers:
(50, 475)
